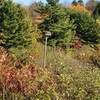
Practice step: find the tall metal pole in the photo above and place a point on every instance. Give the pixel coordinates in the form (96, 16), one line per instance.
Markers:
(45, 52)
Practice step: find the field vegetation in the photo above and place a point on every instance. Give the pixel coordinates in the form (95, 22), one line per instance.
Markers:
(72, 70)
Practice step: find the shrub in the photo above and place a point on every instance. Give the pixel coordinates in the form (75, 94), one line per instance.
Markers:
(63, 82)
(86, 27)
(18, 81)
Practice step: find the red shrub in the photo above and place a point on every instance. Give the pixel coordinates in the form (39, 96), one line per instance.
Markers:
(19, 80)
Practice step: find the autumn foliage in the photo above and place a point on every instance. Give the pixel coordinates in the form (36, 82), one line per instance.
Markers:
(18, 80)
(72, 70)
(80, 8)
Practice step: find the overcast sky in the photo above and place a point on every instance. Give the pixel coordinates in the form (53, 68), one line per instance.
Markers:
(28, 2)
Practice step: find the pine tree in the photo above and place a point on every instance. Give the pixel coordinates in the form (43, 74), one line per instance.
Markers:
(46, 8)
(86, 27)
(15, 26)
(80, 2)
(74, 2)
(52, 2)
(60, 26)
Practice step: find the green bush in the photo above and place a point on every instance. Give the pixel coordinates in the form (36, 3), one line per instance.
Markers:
(86, 27)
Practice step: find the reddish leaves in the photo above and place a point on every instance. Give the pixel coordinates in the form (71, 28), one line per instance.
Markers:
(16, 80)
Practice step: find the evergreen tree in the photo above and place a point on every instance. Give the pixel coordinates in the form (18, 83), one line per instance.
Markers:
(60, 26)
(86, 27)
(74, 2)
(80, 2)
(52, 2)
(16, 27)
(42, 8)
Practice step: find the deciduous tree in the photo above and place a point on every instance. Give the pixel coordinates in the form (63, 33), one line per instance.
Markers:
(91, 4)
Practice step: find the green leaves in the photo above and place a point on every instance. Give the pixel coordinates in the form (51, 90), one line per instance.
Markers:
(74, 2)
(16, 27)
(52, 2)
(86, 27)
(60, 26)
(80, 2)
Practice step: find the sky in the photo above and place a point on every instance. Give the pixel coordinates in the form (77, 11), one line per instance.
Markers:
(28, 2)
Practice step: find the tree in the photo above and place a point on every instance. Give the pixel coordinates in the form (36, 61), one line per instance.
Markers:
(45, 9)
(59, 25)
(74, 2)
(80, 2)
(32, 8)
(80, 8)
(16, 27)
(91, 4)
(96, 12)
(52, 2)
(86, 27)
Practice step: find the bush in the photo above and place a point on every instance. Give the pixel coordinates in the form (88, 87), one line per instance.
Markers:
(86, 27)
